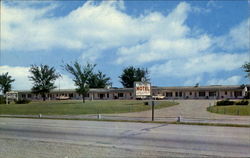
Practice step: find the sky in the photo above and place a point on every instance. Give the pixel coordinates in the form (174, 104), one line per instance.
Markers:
(181, 43)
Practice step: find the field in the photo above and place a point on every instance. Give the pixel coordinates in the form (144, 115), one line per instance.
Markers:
(242, 110)
(73, 107)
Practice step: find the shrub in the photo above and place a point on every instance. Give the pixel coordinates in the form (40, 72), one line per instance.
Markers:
(242, 102)
(224, 103)
(22, 101)
(247, 96)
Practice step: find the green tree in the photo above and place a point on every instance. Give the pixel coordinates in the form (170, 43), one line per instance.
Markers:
(5, 82)
(132, 74)
(246, 68)
(99, 80)
(81, 75)
(43, 78)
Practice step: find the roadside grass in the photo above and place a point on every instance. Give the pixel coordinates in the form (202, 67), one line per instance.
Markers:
(76, 107)
(241, 110)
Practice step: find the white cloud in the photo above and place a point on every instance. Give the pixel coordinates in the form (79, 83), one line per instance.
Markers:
(196, 65)
(237, 38)
(200, 10)
(192, 81)
(234, 80)
(149, 38)
(162, 49)
(90, 26)
(20, 74)
(64, 82)
(22, 82)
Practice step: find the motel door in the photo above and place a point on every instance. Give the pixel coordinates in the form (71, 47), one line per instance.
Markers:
(101, 96)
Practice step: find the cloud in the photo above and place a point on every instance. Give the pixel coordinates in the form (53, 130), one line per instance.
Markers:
(197, 65)
(98, 26)
(22, 82)
(162, 49)
(20, 74)
(165, 42)
(64, 82)
(192, 81)
(237, 38)
(200, 10)
(234, 80)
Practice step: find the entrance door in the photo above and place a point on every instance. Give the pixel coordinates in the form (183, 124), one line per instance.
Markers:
(101, 96)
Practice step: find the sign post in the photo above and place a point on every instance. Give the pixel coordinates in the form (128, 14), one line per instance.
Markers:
(142, 90)
(153, 110)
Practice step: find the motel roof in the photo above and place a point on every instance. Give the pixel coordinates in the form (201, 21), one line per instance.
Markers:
(178, 88)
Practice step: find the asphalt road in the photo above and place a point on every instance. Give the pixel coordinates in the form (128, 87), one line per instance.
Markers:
(25, 138)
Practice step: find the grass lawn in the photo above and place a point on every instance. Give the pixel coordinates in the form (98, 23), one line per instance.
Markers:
(243, 110)
(75, 107)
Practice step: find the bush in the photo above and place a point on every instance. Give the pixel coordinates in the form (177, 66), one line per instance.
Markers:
(22, 101)
(242, 102)
(224, 103)
(247, 96)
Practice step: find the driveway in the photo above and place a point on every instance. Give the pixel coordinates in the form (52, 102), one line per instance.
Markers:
(189, 109)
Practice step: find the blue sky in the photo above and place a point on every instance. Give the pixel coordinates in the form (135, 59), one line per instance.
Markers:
(180, 42)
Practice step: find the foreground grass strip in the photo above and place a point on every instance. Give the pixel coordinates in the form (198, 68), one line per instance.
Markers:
(76, 107)
(240, 110)
(139, 121)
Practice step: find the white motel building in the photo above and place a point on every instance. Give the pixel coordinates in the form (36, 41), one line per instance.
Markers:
(189, 92)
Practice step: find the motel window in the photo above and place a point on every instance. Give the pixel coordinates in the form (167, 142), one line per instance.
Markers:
(237, 93)
(180, 94)
(169, 94)
(71, 95)
(202, 94)
(101, 96)
(211, 94)
(120, 94)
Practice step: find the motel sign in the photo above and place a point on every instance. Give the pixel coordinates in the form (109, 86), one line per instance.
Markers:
(142, 89)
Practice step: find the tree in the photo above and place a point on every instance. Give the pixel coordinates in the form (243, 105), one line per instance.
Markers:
(81, 75)
(99, 80)
(43, 78)
(132, 74)
(85, 78)
(246, 68)
(5, 82)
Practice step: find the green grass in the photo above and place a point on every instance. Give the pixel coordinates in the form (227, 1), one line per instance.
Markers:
(73, 107)
(241, 110)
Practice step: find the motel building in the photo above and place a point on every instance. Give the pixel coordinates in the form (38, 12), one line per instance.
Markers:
(190, 92)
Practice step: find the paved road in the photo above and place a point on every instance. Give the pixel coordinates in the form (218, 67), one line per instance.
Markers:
(26, 138)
